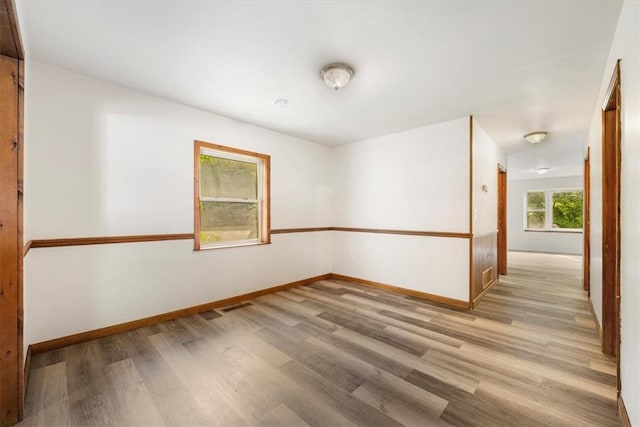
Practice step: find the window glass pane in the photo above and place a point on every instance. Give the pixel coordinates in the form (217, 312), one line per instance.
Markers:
(535, 220)
(228, 178)
(535, 201)
(228, 222)
(567, 209)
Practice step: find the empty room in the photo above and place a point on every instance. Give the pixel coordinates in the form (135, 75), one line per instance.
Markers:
(319, 213)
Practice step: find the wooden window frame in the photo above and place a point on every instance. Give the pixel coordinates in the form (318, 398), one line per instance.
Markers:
(548, 211)
(264, 197)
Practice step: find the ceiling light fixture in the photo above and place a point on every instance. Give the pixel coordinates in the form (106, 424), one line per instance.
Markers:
(280, 102)
(535, 137)
(542, 171)
(336, 75)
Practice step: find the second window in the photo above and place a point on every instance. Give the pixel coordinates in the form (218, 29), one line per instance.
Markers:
(553, 210)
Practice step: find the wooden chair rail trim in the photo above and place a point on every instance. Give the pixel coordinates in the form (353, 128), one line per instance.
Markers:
(300, 230)
(451, 302)
(456, 235)
(80, 241)
(159, 318)
(27, 247)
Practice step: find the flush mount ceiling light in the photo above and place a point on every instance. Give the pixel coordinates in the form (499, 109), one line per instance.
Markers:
(336, 75)
(542, 171)
(535, 137)
(281, 102)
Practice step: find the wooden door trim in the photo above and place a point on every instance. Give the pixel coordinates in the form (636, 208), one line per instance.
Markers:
(502, 220)
(471, 273)
(586, 224)
(11, 237)
(10, 39)
(611, 168)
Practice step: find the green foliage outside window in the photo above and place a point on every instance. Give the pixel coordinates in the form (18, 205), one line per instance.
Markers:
(536, 210)
(567, 209)
(564, 210)
(535, 200)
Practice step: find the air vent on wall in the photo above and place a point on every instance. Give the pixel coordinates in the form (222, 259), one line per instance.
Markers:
(486, 277)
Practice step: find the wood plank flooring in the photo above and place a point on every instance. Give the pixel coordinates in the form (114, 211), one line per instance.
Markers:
(335, 353)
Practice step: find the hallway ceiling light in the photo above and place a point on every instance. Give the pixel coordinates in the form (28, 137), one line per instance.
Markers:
(542, 171)
(281, 102)
(535, 137)
(336, 75)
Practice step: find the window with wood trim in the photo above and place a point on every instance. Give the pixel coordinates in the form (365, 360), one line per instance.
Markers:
(231, 197)
(553, 210)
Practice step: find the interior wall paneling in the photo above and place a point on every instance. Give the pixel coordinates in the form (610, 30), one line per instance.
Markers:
(485, 264)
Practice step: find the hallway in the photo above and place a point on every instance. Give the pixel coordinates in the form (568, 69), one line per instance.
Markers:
(542, 298)
(336, 353)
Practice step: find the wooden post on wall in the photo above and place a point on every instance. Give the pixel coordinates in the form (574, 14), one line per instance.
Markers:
(9, 262)
(11, 119)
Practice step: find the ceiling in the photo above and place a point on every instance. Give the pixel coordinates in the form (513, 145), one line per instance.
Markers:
(517, 66)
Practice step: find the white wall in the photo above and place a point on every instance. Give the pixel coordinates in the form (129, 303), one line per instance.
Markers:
(486, 156)
(534, 241)
(104, 160)
(414, 180)
(435, 265)
(625, 47)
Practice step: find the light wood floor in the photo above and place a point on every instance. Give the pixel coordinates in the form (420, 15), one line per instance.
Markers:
(334, 353)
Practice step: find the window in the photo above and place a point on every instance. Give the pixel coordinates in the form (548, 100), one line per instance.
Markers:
(536, 211)
(548, 210)
(231, 197)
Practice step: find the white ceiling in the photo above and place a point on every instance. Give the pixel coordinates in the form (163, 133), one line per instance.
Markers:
(561, 159)
(517, 66)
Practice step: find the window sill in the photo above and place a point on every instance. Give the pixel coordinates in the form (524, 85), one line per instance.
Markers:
(560, 230)
(236, 245)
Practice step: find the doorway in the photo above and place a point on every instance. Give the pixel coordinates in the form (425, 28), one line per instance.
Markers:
(502, 220)
(611, 147)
